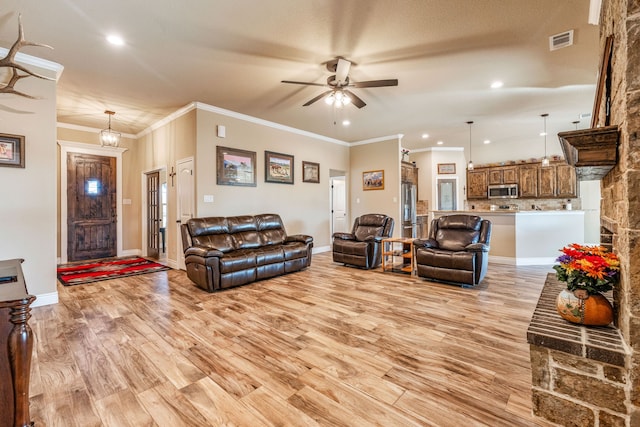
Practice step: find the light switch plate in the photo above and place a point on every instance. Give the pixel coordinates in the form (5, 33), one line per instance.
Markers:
(208, 198)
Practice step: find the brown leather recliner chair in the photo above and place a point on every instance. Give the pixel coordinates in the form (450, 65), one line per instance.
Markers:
(457, 250)
(362, 247)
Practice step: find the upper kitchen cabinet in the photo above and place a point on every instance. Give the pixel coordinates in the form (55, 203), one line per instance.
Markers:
(477, 184)
(528, 177)
(566, 181)
(503, 175)
(546, 182)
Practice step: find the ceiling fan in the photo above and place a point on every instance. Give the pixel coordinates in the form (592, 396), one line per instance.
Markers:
(338, 84)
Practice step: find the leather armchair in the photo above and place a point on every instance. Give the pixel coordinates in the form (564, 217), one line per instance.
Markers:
(362, 247)
(457, 250)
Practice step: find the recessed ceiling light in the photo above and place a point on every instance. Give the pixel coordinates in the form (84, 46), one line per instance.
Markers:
(440, 142)
(486, 141)
(346, 123)
(425, 135)
(497, 84)
(115, 40)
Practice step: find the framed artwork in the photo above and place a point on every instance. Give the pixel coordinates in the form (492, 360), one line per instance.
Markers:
(278, 167)
(310, 172)
(11, 150)
(235, 167)
(373, 180)
(446, 168)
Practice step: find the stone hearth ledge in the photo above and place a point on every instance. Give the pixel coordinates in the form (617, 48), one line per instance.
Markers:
(548, 329)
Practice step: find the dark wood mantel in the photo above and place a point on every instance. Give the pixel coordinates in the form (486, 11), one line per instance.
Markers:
(593, 152)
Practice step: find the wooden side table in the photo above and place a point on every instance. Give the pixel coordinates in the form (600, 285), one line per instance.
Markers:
(397, 255)
(16, 345)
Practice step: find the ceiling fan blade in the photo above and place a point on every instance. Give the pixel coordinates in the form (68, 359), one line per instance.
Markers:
(317, 98)
(303, 83)
(376, 83)
(342, 70)
(354, 99)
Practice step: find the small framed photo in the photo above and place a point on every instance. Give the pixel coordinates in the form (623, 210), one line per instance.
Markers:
(311, 172)
(11, 150)
(373, 180)
(278, 167)
(235, 167)
(446, 168)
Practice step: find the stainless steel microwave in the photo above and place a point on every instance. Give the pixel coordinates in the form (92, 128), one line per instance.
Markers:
(504, 191)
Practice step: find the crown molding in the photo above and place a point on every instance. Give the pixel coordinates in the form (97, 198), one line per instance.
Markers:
(35, 61)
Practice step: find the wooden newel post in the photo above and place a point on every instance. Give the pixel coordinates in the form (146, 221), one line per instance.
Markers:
(16, 346)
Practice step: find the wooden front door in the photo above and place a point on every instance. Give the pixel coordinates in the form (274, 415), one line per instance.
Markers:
(154, 218)
(91, 207)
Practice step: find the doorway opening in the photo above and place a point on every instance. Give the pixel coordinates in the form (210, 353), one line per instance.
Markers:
(155, 214)
(338, 198)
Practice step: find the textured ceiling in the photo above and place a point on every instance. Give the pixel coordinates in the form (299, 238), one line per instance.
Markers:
(233, 55)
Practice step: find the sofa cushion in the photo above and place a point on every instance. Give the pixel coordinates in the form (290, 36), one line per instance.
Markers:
(211, 232)
(269, 255)
(271, 228)
(294, 250)
(446, 259)
(240, 259)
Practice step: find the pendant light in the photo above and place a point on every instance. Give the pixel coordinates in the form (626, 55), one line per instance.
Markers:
(109, 137)
(545, 159)
(470, 165)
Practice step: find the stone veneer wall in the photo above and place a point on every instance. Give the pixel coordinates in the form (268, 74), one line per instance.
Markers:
(620, 206)
(577, 389)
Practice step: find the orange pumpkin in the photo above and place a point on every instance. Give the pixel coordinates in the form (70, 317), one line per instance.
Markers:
(594, 310)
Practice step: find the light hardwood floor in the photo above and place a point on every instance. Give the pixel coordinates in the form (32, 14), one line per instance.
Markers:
(329, 346)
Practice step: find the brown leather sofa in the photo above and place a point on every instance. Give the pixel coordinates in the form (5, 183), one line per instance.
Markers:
(362, 247)
(222, 252)
(457, 250)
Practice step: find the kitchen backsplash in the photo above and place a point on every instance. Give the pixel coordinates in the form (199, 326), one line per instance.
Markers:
(523, 204)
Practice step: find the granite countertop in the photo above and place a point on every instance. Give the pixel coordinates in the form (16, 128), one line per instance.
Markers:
(514, 211)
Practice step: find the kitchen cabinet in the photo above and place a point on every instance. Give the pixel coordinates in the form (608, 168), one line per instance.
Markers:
(546, 182)
(556, 181)
(566, 181)
(502, 175)
(528, 181)
(477, 184)
(408, 173)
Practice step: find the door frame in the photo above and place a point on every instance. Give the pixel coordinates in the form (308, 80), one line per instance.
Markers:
(67, 147)
(343, 177)
(180, 264)
(143, 198)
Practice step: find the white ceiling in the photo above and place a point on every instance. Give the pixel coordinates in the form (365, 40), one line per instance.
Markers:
(233, 55)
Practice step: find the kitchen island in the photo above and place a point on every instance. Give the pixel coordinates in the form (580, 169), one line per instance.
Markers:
(528, 237)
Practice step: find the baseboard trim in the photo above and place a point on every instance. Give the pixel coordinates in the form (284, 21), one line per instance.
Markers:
(45, 299)
(320, 249)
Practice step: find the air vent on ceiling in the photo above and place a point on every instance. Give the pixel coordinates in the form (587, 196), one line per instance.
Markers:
(561, 40)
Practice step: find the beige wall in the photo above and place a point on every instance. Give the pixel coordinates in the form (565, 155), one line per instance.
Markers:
(28, 196)
(304, 207)
(427, 163)
(160, 149)
(385, 156)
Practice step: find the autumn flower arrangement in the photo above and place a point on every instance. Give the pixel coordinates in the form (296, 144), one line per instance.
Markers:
(591, 269)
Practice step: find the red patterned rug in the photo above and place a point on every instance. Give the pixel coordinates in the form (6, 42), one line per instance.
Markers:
(95, 271)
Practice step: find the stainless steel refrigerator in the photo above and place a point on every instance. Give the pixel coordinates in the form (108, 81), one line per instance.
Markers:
(409, 199)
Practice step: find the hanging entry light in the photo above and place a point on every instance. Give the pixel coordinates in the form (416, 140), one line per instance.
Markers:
(545, 159)
(109, 137)
(470, 165)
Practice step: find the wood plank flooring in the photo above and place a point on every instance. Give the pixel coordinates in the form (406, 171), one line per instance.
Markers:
(328, 346)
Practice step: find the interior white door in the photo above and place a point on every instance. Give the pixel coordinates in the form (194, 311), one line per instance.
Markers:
(338, 205)
(186, 200)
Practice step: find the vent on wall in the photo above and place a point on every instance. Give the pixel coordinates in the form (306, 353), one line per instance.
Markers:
(561, 40)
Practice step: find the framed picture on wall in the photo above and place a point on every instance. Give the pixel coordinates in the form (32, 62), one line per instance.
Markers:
(278, 167)
(446, 168)
(11, 150)
(311, 172)
(373, 180)
(235, 167)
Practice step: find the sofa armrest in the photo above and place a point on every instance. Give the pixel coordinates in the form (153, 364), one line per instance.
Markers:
(477, 247)
(303, 238)
(344, 236)
(203, 251)
(425, 243)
